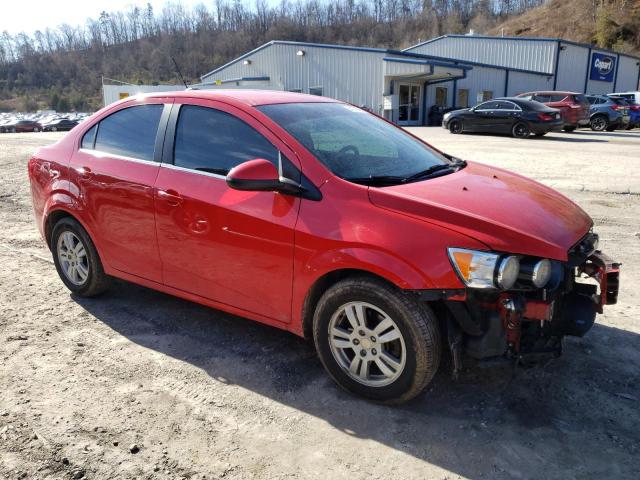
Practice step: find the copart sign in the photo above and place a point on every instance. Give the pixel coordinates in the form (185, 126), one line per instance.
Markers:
(602, 67)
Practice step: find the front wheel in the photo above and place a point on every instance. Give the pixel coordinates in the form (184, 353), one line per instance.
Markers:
(455, 126)
(375, 341)
(599, 123)
(520, 130)
(76, 259)
(54, 129)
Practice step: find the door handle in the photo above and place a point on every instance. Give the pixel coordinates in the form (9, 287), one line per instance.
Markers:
(84, 172)
(172, 197)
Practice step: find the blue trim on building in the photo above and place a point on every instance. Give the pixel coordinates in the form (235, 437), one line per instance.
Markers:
(586, 74)
(432, 63)
(555, 68)
(455, 92)
(506, 82)
(615, 75)
(231, 80)
(526, 39)
(425, 116)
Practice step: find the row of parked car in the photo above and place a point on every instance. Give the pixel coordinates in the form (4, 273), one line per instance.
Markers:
(541, 112)
(39, 122)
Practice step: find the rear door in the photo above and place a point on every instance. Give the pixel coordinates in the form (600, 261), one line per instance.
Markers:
(113, 172)
(505, 115)
(233, 247)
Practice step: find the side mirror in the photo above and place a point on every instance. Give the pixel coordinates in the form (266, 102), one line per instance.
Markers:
(254, 175)
(260, 175)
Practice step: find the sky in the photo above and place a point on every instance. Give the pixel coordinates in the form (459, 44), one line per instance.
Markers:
(35, 15)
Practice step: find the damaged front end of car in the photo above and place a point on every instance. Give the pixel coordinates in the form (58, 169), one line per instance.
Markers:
(519, 308)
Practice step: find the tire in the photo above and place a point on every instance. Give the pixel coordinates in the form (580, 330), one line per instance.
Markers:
(36, 129)
(415, 353)
(569, 128)
(455, 126)
(69, 233)
(599, 123)
(520, 130)
(54, 129)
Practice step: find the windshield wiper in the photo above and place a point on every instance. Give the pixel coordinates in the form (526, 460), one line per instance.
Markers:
(433, 171)
(436, 170)
(377, 180)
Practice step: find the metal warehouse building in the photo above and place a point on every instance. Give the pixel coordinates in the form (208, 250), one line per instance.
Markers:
(448, 71)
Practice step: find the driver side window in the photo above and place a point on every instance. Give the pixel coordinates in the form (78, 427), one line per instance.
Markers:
(213, 141)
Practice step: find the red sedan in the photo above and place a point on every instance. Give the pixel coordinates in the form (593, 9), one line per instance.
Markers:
(317, 217)
(573, 106)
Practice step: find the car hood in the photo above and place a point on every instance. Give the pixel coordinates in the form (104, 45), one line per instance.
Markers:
(505, 211)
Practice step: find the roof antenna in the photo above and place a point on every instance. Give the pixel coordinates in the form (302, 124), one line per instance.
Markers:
(186, 85)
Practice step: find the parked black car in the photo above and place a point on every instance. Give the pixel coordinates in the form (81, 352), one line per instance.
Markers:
(514, 116)
(61, 124)
(608, 113)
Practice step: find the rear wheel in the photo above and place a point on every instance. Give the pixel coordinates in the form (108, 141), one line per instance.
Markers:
(54, 129)
(375, 341)
(520, 130)
(36, 129)
(77, 260)
(569, 128)
(599, 123)
(455, 126)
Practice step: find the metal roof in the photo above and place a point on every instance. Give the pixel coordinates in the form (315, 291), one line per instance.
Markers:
(525, 39)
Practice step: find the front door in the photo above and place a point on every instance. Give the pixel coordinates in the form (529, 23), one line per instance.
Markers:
(409, 95)
(233, 247)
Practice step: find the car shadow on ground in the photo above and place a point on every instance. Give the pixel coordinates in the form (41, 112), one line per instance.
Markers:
(617, 133)
(565, 138)
(491, 423)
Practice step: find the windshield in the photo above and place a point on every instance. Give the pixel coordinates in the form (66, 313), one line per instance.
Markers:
(352, 143)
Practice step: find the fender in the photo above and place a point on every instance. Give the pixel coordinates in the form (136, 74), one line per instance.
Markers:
(377, 262)
(66, 205)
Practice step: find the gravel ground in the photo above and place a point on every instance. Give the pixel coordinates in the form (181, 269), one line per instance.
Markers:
(137, 384)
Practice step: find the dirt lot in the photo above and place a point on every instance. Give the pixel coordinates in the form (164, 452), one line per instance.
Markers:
(203, 394)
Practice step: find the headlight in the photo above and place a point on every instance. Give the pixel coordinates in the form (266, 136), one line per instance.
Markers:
(537, 272)
(485, 270)
(508, 272)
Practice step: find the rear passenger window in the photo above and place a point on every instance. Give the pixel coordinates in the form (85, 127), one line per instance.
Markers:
(130, 132)
(213, 141)
(89, 138)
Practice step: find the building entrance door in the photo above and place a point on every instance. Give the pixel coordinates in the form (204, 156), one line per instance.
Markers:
(409, 104)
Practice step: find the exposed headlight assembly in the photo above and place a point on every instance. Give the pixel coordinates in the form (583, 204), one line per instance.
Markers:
(485, 270)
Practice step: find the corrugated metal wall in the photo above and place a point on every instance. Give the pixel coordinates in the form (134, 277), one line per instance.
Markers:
(525, 82)
(627, 74)
(483, 79)
(572, 68)
(349, 75)
(538, 56)
(113, 93)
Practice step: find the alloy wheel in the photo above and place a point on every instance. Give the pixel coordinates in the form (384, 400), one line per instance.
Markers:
(367, 344)
(455, 126)
(73, 258)
(599, 124)
(520, 130)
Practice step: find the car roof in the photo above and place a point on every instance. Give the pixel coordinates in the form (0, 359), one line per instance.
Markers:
(247, 97)
(551, 92)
